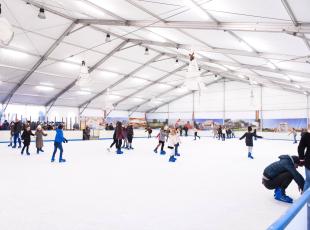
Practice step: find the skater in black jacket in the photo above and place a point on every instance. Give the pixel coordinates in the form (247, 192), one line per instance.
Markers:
(26, 137)
(249, 140)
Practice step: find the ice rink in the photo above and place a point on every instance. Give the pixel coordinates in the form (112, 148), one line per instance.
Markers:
(212, 186)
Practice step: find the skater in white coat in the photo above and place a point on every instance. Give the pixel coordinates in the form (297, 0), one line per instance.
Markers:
(173, 141)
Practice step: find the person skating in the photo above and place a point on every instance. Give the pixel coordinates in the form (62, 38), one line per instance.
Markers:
(149, 132)
(196, 133)
(130, 136)
(280, 174)
(119, 137)
(26, 137)
(304, 156)
(161, 141)
(178, 142)
(125, 144)
(294, 132)
(17, 131)
(114, 141)
(219, 132)
(249, 140)
(59, 139)
(172, 143)
(11, 133)
(39, 139)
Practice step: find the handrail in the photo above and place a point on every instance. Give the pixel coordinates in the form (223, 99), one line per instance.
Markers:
(287, 217)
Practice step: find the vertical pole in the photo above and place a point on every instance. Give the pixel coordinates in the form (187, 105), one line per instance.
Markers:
(307, 111)
(261, 109)
(224, 100)
(193, 114)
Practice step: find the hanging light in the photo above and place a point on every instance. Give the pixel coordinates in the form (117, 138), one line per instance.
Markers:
(84, 76)
(41, 14)
(108, 38)
(193, 81)
(177, 61)
(146, 52)
(6, 31)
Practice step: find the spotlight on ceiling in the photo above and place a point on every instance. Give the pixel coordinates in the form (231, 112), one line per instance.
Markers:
(146, 52)
(41, 14)
(6, 31)
(108, 38)
(177, 61)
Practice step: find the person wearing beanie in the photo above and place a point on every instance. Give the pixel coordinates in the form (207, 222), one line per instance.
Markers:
(249, 140)
(280, 174)
(59, 139)
(119, 136)
(304, 156)
(26, 137)
(39, 138)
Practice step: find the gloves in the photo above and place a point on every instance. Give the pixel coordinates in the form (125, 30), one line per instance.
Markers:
(65, 140)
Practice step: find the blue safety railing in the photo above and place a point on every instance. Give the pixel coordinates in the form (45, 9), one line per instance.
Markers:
(287, 217)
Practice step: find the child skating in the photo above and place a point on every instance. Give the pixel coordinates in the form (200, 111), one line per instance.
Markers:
(161, 141)
(39, 139)
(249, 140)
(59, 139)
(196, 133)
(26, 137)
(172, 145)
(119, 137)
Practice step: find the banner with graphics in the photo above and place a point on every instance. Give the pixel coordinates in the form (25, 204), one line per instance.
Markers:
(284, 125)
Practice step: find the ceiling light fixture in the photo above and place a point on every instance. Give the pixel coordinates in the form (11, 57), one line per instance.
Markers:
(6, 31)
(41, 14)
(84, 76)
(45, 88)
(108, 38)
(146, 52)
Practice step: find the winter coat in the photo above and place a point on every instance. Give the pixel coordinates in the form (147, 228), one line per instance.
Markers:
(162, 135)
(305, 144)
(124, 132)
(249, 138)
(119, 133)
(285, 164)
(17, 127)
(26, 137)
(130, 131)
(172, 140)
(59, 138)
(39, 138)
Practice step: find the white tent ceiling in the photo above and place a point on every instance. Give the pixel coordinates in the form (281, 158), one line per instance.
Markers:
(262, 40)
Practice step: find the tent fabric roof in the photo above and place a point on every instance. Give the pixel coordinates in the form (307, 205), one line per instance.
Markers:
(261, 41)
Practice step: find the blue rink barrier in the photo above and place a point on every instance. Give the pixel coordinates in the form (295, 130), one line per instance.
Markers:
(287, 217)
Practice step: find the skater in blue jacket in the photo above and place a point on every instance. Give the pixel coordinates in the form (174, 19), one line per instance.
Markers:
(59, 139)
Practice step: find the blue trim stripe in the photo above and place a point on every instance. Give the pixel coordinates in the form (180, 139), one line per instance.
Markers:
(285, 219)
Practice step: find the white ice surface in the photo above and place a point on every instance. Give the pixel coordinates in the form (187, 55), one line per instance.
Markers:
(212, 186)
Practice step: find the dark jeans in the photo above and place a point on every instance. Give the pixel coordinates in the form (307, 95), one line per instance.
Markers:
(162, 143)
(196, 135)
(25, 147)
(130, 137)
(176, 147)
(113, 143)
(186, 132)
(17, 137)
(119, 144)
(283, 180)
(57, 146)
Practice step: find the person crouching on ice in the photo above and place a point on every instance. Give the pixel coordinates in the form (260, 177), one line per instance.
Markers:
(280, 174)
(249, 140)
(59, 139)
